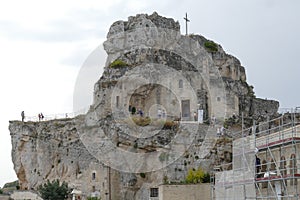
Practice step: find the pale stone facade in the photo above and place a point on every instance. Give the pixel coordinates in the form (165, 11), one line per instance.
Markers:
(4, 197)
(185, 192)
(25, 195)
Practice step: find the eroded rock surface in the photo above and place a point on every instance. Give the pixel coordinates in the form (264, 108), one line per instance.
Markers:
(116, 152)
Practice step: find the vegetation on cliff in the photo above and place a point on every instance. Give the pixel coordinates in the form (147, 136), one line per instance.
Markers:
(118, 64)
(197, 176)
(211, 46)
(54, 190)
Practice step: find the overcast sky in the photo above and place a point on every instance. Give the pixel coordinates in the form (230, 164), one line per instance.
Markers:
(43, 46)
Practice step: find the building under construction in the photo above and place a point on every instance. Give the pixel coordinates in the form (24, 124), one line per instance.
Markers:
(265, 162)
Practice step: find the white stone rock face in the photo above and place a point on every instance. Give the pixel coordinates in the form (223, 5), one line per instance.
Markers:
(106, 150)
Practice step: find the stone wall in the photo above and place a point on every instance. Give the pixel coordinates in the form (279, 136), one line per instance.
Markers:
(264, 108)
(28, 195)
(188, 192)
(4, 197)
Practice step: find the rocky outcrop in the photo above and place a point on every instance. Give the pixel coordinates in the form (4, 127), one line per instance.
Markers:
(120, 152)
(48, 150)
(143, 21)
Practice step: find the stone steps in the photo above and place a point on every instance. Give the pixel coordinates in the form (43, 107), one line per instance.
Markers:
(208, 143)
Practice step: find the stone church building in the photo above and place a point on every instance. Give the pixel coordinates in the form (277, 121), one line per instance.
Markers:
(160, 73)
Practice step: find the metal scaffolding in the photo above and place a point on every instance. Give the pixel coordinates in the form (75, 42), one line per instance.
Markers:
(266, 162)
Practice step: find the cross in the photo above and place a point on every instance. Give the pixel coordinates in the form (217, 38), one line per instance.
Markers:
(186, 23)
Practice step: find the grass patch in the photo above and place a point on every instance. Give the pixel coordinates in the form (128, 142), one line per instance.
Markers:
(141, 121)
(118, 64)
(170, 125)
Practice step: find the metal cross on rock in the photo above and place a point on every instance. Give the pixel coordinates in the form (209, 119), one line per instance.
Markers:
(186, 23)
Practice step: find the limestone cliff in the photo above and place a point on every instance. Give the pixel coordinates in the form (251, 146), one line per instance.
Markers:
(47, 150)
(138, 133)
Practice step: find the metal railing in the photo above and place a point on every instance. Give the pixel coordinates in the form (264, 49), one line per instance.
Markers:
(289, 110)
(57, 116)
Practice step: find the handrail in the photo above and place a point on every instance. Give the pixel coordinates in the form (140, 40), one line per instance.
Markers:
(289, 110)
(57, 116)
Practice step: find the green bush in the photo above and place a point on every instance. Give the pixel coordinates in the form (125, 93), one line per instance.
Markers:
(211, 46)
(143, 175)
(11, 184)
(93, 198)
(118, 64)
(54, 190)
(165, 179)
(197, 176)
(206, 178)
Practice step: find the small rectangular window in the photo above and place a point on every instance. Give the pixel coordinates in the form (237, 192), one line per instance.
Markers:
(180, 84)
(117, 101)
(93, 176)
(153, 192)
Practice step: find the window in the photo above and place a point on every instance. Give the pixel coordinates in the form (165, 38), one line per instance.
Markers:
(93, 176)
(283, 165)
(293, 169)
(117, 101)
(180, 83)
(283, 171)
(293, 166)
(153, 192)
(94, 189)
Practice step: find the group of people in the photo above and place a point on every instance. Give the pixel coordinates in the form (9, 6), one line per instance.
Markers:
(221, 131)
(40, 116)
(133, 111)
(161, 113)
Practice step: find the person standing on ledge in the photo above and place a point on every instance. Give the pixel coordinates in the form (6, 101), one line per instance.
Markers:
(23, 116)
(195, 116)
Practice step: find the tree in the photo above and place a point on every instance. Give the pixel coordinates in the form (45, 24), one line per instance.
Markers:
(54, 190)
